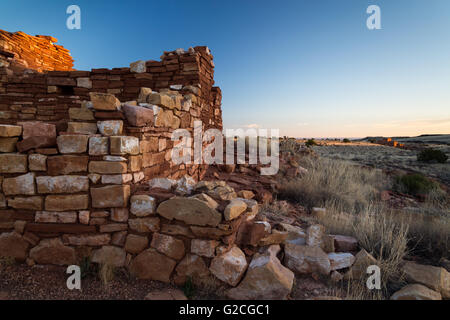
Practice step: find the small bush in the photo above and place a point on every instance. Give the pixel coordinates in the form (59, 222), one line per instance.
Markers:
(429, 155)
(346, 140)
(189, 288)
(415, 184)
(310, 143)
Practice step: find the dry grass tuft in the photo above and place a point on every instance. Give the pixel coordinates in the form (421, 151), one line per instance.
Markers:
(106, 273)
(349, 187)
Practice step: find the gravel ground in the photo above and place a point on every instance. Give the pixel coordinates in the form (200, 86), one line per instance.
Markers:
(20, 282)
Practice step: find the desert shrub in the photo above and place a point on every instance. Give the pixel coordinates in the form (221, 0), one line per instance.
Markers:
(310, 143)
(380, 235)
(348, 186)
(428, 155)
(189, 288)
(415, 184)
(346, 140)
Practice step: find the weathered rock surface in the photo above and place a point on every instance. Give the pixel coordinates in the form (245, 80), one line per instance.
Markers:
(142, 205)
(189, 210)
(109, 255)
(306, 259)
(266, 279)
(340, 261)
(416, 292)
(53, 251)
(168, 245)
(230, 266)
(193, 267)
(12, 245)
(150, 264)
(435, 278)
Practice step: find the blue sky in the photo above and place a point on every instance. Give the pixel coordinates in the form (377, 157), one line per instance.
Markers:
(309, 68)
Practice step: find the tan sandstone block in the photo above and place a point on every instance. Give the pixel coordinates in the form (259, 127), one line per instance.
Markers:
(107, 167)
(66, 203)
(72, 143)
(110, 196)
(13, 163)
(37, 162)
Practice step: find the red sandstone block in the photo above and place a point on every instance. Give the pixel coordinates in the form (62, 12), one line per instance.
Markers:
(138, 116)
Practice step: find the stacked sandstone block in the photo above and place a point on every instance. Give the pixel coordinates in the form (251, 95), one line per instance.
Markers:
(48, 96)
(39, 53)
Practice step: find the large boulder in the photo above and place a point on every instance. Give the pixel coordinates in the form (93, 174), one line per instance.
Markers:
(416, 292)
(53, 251)
(190, 210)
(266, 279)
(229, 266)
(150, 264)
(306, 259)
(435, 278)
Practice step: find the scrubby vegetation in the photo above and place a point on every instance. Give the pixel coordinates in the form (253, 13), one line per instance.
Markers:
(351, 195)
(415, 184)
(310, 143)
(345, 140)
(429, 154)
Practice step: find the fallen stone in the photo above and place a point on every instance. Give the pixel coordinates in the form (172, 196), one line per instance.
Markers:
(340, 261)
(230, 266)
(162, 183)
(306, 259)
(416, 292)
(314, 235)
(234, 209)
(345, 243)
(359, 269)
(435, 278)
(266, 279)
